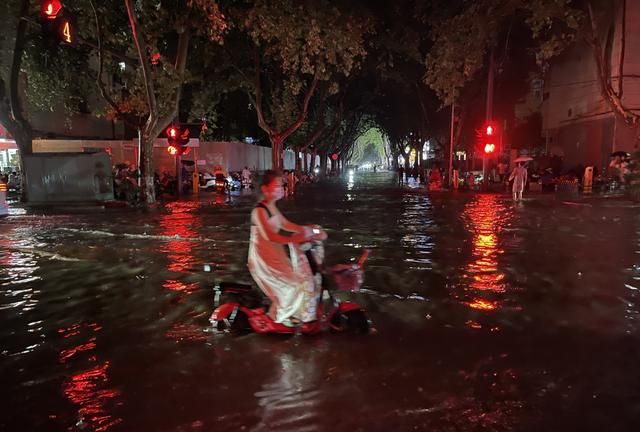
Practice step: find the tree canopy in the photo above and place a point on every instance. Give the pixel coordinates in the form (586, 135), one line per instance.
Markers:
(309, 74)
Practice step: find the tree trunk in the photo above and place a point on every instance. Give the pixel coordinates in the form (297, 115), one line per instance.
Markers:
(305, 162)
(323, 164)
(276, 152)
(298, 161)
(11, 114)
(602, 67)
(147, 189)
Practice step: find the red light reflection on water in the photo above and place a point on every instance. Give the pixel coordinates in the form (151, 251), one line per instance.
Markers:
(86, 389)
(181, 223)
(89, 389)
(484, 218)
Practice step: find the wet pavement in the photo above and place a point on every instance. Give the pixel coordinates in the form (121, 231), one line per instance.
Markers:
(490, 316)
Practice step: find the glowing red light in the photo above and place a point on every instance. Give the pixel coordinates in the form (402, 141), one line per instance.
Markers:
(334, 156)
(172, 132)
(489, 148)
(50, 8)
(185, 150)
(173, 150)
(489, 130)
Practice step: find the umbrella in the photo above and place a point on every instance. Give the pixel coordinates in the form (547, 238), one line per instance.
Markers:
(523, 159)
(620, 153)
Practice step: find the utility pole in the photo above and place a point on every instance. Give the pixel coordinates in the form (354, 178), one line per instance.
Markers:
(451, 139)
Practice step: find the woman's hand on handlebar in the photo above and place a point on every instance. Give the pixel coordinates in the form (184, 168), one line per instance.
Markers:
(318, 234)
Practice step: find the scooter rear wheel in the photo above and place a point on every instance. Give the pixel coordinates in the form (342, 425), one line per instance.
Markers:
(354, 321)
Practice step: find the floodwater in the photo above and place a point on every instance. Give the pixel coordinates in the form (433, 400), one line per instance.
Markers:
(490, 317)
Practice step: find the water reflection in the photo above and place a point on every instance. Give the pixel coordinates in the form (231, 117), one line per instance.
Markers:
(288, 402)
(182, 225)
(416, 220)
(485, 217)
(89, 388)
(350, 180)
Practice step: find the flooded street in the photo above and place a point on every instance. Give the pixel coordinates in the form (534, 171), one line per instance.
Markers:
(490, 316)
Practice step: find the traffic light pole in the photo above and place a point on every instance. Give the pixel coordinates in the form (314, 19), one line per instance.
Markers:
(453, 115)
(489, 112)
(179, 175)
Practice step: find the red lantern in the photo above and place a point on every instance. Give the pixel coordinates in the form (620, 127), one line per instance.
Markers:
(173, 150)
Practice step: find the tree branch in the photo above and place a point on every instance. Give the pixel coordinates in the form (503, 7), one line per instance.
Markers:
(623, 42)
(257, 102)
(606, 89)
(101, 86)
(180, 66)
(141, 47)
(303, 114)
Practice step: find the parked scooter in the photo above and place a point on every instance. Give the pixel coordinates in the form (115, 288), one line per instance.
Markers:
(217, 183)
(247, 184)
(245, 309)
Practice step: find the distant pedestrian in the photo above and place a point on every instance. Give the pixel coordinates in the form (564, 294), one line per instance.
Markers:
(400, 175)
(519, 177)
(291, 182)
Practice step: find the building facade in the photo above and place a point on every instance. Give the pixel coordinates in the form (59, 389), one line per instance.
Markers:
(578, 124)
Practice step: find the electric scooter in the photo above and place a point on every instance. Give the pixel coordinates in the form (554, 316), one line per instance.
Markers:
(246, 310)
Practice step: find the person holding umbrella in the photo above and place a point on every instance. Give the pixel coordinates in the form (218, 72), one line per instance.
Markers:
(519, 177)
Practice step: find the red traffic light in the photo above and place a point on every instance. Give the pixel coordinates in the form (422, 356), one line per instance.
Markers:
(172, 132)
(50, 9)
(489, 148)
(178, 140)
(334, 156)
(490, 129)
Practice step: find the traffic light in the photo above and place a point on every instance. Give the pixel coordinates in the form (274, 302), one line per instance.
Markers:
(49, 9)
(172, 132)
(489, 139)
(178, 140)
(57, 23)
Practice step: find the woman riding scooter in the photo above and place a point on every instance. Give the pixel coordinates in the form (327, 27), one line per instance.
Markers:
(277, 263)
